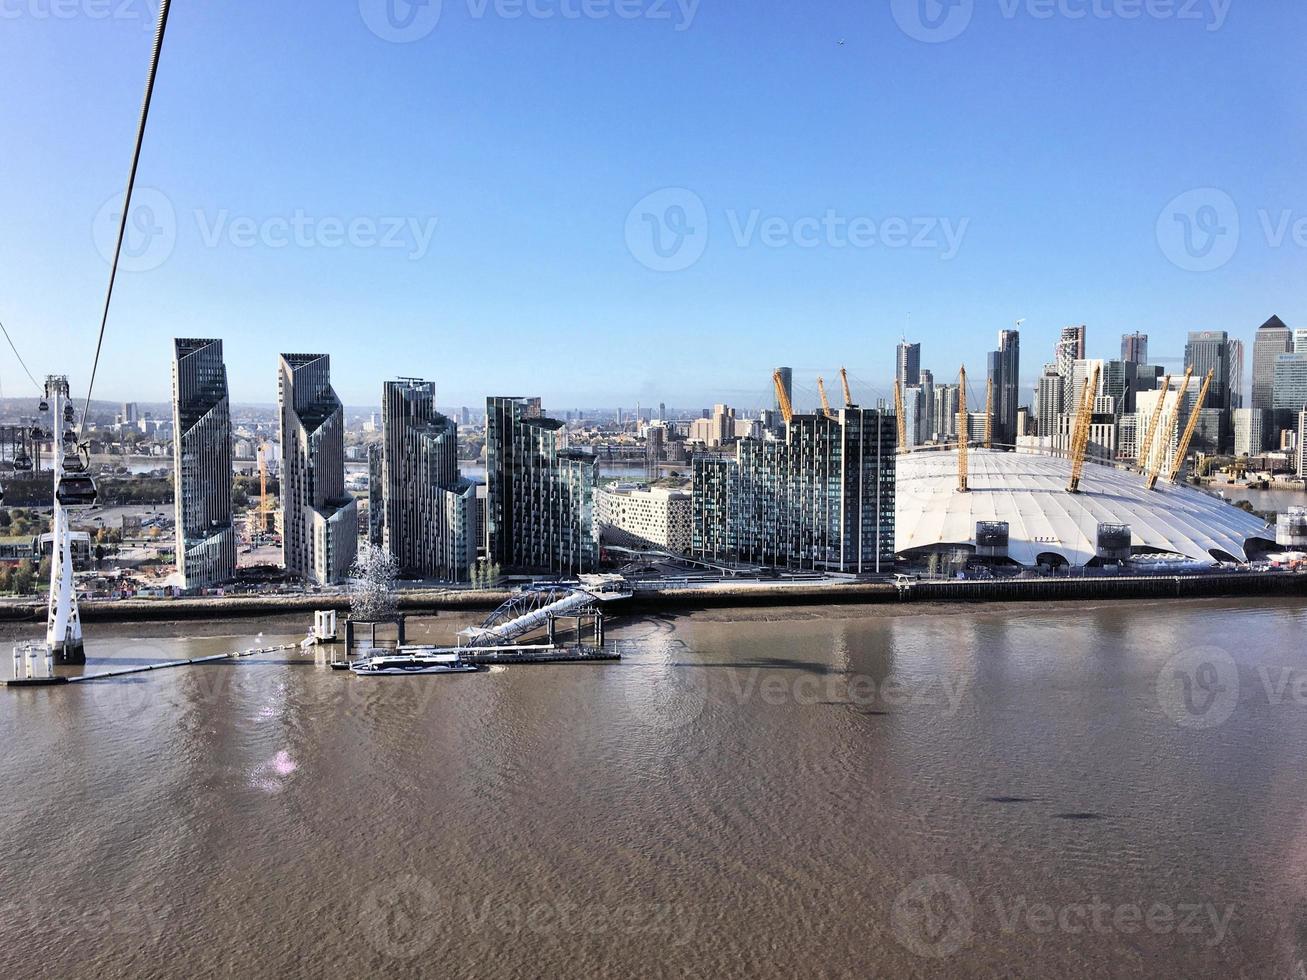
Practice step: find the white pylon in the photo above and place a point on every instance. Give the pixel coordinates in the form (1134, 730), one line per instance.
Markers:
(63, 632)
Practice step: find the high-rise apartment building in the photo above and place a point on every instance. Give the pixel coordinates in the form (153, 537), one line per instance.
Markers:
(540, 496)
(1070, 348)
(908, 364)
(1134, 348)
(1209, 350)
(945, 412)
(821, 499)
(201, 413)
(1236, 374)
(430, 520)
(1273, 339)
(1005, 373)
(1251, 428)
(1050, 401)
(319, 519)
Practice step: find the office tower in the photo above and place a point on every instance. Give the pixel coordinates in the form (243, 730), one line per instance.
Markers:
(1070, 348)
(201, 416)
(822, 499)
(1050, 401)
(912, 398)
(908, 364)
(1236, 374)
(1209, 350)
(1134, 348)
(1005, 373)
(926, 407)
(540, 497)
(430, 511)
(1119, 381)
(1252, 426)
(662, 411)
(1273, 339)
(319, 520)
(1290, 388)
(1302, 443)
(130, 414)
(787, 382)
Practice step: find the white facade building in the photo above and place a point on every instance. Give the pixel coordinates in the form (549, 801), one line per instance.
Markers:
(634, 516)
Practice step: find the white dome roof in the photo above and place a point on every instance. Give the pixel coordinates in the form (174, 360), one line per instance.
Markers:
(1028, 492)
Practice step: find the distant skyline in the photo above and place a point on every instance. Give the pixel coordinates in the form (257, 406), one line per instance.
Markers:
(609, 209)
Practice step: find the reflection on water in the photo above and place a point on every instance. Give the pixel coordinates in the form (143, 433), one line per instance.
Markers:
(1034, 791)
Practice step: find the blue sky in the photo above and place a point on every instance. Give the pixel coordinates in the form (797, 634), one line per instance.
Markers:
(819, 192)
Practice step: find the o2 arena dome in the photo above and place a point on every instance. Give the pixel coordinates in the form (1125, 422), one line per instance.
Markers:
(1046, 525)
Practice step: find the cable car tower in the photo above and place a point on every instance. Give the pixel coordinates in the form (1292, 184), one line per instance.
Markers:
(63, 631)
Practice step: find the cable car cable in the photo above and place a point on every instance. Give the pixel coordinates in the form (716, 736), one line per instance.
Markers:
(19, 356)
(164, 6)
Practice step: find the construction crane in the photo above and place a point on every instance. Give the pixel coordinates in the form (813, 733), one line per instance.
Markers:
(1183, 450)
(963, 433)
(782, 397)
(1151, 435)
(1172, 422)
(1080, 435)
(825, 402)
(898, 414)
(848, 394)
(989, 414)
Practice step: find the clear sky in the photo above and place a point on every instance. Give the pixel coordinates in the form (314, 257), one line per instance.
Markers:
(1034, 157)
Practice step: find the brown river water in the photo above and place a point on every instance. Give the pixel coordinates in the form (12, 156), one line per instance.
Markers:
(1072, 790)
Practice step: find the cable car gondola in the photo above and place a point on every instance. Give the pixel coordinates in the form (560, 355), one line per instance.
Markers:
(45, 405)
(69, 416)
(22, 461)
(75, 489)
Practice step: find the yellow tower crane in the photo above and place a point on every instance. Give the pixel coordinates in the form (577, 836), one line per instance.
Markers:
(825, 402)
(898, 415)
(989, 414)
(1151, 436)
(1080, 435)
(848, 394)
(782, 397)
(1177, 465)
(963, 433)
(1172, 423)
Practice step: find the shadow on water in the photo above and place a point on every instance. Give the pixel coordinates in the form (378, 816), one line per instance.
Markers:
(766, 663)
(1079, 816)
(1010, 799)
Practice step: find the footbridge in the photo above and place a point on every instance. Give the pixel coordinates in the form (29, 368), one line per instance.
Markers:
(537, 607)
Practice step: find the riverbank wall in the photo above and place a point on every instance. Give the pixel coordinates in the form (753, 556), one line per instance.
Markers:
(714, 595)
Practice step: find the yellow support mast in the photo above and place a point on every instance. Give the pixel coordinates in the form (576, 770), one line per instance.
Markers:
(963, 432)
(1183, 450)
(782, 397)
(825, 402)
(898, 415)
(1147, 447)
(848, 394)
(1080, 435)
(1172, 423)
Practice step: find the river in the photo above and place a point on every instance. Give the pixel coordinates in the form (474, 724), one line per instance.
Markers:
(1023, 791)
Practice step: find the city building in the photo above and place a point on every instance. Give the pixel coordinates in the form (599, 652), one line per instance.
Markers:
(1273, 339)
(641, 517)
(1252, 427)
(376, 497)
(540, 500)
(716, 429)
(429, 512)
(1290, 389)
(1236, 374)
(908, 364)
(319, 518)
(1005, 375)
(1070, 348)
(1209, 350)
(945, 412)
(1134, 348)
(822, 499)
(1302, 443)
(1300, 341)
(1050, 401)
(206, 539)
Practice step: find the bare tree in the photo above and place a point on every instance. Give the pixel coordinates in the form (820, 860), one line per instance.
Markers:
(372, 594)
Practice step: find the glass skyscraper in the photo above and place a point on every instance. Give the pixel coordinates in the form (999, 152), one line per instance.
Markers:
(540, 495)
(206, 540)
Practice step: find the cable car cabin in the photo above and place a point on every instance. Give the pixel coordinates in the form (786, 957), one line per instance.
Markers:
(75, 491)
(23, 462)
(68, 414)
(45, 405)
